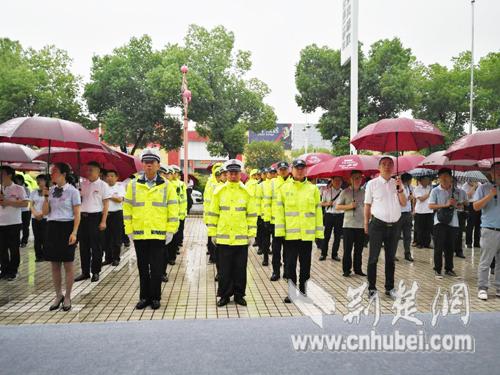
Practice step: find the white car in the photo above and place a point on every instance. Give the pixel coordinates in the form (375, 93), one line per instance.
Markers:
(196, 196)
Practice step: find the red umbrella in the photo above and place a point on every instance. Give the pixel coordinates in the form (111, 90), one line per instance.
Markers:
(14, 153)
(343, 165)
(404, 163)
(122, 163)
(398, 134)
(315, 158)
(438, 160)
(477, 146)
(37, 166)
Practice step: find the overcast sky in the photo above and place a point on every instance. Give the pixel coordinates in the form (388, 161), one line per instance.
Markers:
(273, 30)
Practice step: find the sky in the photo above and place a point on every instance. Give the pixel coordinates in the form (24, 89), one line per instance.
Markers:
(274, 31)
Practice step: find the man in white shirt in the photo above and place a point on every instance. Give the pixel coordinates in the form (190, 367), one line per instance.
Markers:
(384, 197)
(94, 213)
(473, 226)
(406, 220)
(424, 216)
(114, 223)
(333, 219)
(12, 199)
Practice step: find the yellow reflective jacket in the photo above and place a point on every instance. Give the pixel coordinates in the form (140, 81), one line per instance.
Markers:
(207, 195)
(232, 218)
(182, 197)
(298, 214)
(267, 195)
(276, 184)
(149, 213)
(255, 189)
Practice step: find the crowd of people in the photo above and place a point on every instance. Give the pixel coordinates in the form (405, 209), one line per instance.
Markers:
(278, 210)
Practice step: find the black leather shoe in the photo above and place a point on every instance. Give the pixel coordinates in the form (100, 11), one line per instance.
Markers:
(461, 255)
(155, 304)
(287, 300)
(265, 263)
(323, 257)
(336, 258)
(223, 302)
(142, 304)
(164, 278)
(178, 251)
(172, 262)
(95, 277)
(409, 258)
(216, 278)
(360, 273)
(396, 259)
(346, 274)
(115, 263)
(240, 301)
(66, 307)
(259, 252)
(106, 262)
(275, 277)
(56, 305)
(82, 277)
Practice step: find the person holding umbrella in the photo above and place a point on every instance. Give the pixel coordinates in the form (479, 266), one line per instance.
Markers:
(350, 201)
(423, 214)
(333, 218)
(12, 199)
(406, 220)
(39, 220)
(61, 205)
(114, 222)
(384, 198)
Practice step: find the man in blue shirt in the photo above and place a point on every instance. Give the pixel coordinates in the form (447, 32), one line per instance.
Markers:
(486, 199)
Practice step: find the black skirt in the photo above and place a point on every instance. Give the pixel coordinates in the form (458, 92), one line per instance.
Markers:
(57, 248)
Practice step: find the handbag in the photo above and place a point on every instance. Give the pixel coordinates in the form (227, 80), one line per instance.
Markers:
(445, 215)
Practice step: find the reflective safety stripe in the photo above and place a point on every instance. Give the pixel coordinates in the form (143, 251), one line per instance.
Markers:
(210, 213)
(279, 203)
(207, 200)
(125, 200)
(127, 217)
(267, 196)
(240, 237)
(240, 208)
(223, 236)
(252, 215)
(212, 225)
(319, 205)
(279, 226)
(173, 219)
(172, 201)
(320, 229)
(267, 205)
(252, 226)
(310, 231)
(309, 214)
(161, 232)
(293, 213)
(137, 204)
(159, 204)
(138, 232)
(295, 230)
(224, 208)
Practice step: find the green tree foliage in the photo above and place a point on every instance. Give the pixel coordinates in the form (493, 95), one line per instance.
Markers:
(262, 154)
(38, 82)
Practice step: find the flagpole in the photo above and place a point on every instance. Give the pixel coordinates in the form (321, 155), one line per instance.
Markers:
(354, 72)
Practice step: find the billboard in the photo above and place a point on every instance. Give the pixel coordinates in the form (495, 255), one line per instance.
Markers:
(281, 133)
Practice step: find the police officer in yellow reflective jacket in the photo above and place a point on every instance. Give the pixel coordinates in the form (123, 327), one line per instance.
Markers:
(173, 247)
(151, 216)
(267, 195)
(232, 222)
(253, 184)
(299, 219)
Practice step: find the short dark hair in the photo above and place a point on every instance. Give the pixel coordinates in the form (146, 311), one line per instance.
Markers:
(19, 179)
(94, 164)
(43, 177)
(383, 158)
(111, 171)
(444, 171)
(355, 171)
(9, 170)
(405, 177)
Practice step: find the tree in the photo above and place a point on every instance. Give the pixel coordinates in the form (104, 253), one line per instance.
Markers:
(487, 98)
(264, 153)
(226, 104)
(122, 97)
(38, 83)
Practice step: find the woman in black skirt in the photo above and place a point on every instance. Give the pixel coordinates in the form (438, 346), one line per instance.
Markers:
(38, 221)
(62, 208)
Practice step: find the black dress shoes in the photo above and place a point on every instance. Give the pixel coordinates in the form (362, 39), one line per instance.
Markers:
(336, 258)
(164, 278)
(323, 257)
(240, 301)
(106, 262)
(95, 277)
(142, 304)
(409, 258)
(275, 277)
(56, 305)
(155, 304)
(115, 263)
(82, 277)
(265, 263)
(360, 273)
(223, 301)
(287, 300)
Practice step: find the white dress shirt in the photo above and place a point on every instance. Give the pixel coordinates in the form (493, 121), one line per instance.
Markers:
(116, 191)
(327, 195)
(382, 195)
(422, 207)
(93, 193)
(12, 215)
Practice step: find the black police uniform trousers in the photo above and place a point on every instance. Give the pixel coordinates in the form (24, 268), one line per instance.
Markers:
(382, 233)
(40, 235)
(444, 238)
(332, 222)
(113, 236)
(266, 239)
(91, 240)
(26, 218)
(212, 250)
(424, 224)
(9, 249)
(149, 263)
(301, 250)
(473, 229)
(405, 224)
(179, 235)
(276, 246)
(260, 231)
(353, 237)
(462, 220)
(232, 261)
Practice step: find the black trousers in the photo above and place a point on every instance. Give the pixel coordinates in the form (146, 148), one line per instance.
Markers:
(91, 239)
(26, 218)
(113, 236)
(405, 224)
(211, 249)
(424, 224)
(301, 250)
(40, 234)
(332, 222)
(385, 234)
(462, 220)
(232, 270)
(353, 237)
(267, 233)
(444, 238)
(9, 249)
(179, 235)
(260, 231)
(276, 247)
(149, 263)
(473, 229)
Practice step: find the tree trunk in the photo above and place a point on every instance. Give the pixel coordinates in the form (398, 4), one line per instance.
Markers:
(137, 142)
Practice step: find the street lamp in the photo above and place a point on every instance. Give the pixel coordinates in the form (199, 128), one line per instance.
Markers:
(186, 99)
